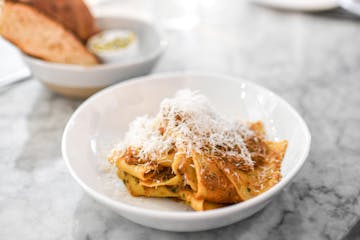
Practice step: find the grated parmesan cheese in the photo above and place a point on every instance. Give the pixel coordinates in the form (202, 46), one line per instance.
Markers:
(184, 124)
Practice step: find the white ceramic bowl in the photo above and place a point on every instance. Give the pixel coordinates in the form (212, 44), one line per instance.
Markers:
(82, 81)
(101, 121)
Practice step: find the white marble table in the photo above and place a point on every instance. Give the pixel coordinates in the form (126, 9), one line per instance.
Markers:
(311, 61)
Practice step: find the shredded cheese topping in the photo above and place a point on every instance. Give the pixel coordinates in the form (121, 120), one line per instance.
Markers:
(187, 123)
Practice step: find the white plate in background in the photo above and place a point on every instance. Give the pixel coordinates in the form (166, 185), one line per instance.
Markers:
(352, 6)
(299, 5)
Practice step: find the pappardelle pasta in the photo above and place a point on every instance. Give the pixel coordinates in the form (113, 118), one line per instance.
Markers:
(190, 152)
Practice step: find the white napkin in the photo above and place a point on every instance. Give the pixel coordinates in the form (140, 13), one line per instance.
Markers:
(12, 67)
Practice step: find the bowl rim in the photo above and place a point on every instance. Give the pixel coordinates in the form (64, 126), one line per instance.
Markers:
(123, 207)
(163, 43)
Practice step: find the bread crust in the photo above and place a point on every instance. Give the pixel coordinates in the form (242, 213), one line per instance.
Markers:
(74, 15)
(40, 36)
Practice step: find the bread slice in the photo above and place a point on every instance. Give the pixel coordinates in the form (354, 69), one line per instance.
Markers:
(40, 36)
(74, 15)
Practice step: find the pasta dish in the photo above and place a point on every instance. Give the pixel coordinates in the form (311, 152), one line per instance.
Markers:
(190, 152)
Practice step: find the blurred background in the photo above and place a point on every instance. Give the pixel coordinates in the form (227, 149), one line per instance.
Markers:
(227, 27)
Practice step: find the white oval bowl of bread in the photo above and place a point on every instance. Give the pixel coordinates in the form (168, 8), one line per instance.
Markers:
(52, 36)
(82, 81)
(103, 120)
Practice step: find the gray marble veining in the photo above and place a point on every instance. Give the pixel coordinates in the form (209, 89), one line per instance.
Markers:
(311, 61)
